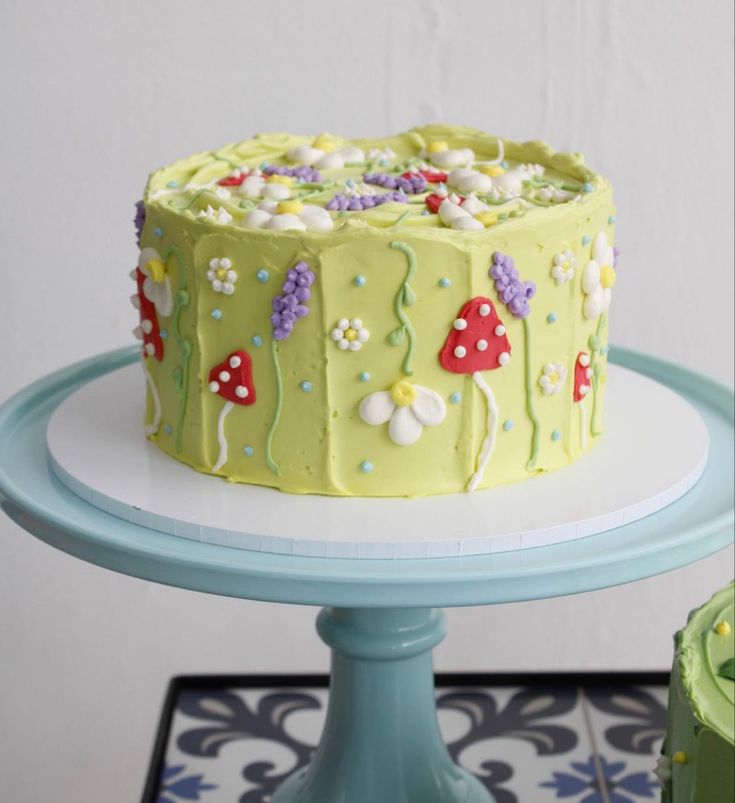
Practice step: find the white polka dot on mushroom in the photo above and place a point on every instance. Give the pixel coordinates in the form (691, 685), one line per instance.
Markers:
(460, 324)
(235, 362)
(503, 358)
(481, 345)
(484, 310)
(224, 376)
(460, 351)
(500, 330)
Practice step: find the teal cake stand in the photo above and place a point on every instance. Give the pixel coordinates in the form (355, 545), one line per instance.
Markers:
(381, 742)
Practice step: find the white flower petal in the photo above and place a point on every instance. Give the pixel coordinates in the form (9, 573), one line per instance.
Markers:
(256, 218)
(377, 408)
(351, 155)
(453, 157)
(429, 407)
(448, 211)
(286, 221)
(304, 154)
(591, 277)
(473, 206)
(145, 256)
(404, 428)
(160, 294)
(330, 161)
(600, 248)
(467, 224)
(277, 192)
(319, 220)
(252, 185)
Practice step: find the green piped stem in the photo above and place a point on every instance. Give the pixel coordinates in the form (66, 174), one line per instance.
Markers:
(530, 404)
(181, 373)
(403, 290)
(219, 158)
(595, 429)
(269, 461)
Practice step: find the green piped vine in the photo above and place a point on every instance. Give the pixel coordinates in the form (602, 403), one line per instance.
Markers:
(181, 372)
(269, 461)
(530, 403)
(405, 297)
(595, 344)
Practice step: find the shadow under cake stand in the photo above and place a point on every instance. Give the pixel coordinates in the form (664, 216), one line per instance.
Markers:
(663, 477)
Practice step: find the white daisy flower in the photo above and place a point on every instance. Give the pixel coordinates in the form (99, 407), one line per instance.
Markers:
(565, 265)
(288, 215)
(350, 334)
(220, 215)
(471, 215)
(324, 155)
(598, 278)
(552, 378)
(441, 155)
(221, 275)
(383, 156)
(156, 286)
(275, 187)
(407, 407)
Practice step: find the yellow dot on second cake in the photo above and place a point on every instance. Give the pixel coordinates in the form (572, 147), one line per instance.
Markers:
(607, 276)
(276, 179)
(723, 628)
(350, 334)
(156, 270)
(487, 218)
(403, 393)
(289, 207)
(679, 757)
(437, 147)
(491, 170)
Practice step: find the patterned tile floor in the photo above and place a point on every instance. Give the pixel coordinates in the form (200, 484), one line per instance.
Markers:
(581, 739)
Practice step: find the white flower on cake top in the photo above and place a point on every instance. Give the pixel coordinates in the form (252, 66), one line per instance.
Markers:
(324, 155)
(288, 215)
(350, 335)
(221, 275)
(598, 278)
(468, 215)
(493, 180)
(407, 407)
(441, 155)
(156, 286)
(552, 378)
(275, 188)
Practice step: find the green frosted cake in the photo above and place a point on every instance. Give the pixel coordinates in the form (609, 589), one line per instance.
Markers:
(421, 314)
(698, 760)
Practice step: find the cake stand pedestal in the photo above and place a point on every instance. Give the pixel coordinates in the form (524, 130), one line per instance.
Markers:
(381, 742)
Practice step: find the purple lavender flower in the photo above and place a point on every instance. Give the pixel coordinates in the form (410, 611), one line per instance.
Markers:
(358, 203)
(290, 304)
(139, 220)
(513, 292)
(303, 172)
(410, 184)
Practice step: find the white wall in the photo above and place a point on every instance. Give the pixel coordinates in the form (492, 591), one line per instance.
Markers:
(96, 94)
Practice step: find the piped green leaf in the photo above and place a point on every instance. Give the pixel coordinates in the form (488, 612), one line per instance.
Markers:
(727, 669)
(409, 297)
(395, 338)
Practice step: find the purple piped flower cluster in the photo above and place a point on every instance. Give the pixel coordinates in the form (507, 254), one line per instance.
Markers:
(513, 292)
(357, 203)
(139, 220)
(303, 172)
(411, 185)
(290, 304)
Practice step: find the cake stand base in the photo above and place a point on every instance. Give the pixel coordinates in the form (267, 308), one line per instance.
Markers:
(381, 740)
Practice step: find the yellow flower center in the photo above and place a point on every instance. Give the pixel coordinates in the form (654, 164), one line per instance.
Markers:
(350, 334)
(403, 393)
(554, 377)
(289, 207)
(221, 274)
(607, 276)
(566, 264)
(487, 218)
(287, 181)
(156, 270)
(437, 147)
(491, 170)
(324, 143)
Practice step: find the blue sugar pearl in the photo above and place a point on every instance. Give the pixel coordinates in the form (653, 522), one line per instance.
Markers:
(455, 398)
(425, 213)
(248, 451)
(364, 376)
(216, 314)
(587, 187)
(551, 317)
(366, 466)
(359, 281)
(262, 275)
(164, 334)
(173, 184)
(257, 341)
(445, 282)
(611, 219)
(307, 387)
(604, 349)
(384, 162)
(586, 240)
(158, 231)
(168, 429)
(507, 425)
(504, 164)
(556, 435)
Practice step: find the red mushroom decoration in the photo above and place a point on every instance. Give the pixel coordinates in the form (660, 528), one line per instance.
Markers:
(232, 379)
(148, 330)
(476, 343)
(435, 200)
(431, 176)
(582, 387)
(235, 179)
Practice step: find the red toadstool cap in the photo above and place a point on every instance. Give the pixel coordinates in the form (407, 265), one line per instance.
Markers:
(149, 331)
(582, 376)
(233, 379)
(477, 342)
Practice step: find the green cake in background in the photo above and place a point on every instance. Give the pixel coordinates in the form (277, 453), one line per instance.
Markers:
(420, 314)
(698, 757)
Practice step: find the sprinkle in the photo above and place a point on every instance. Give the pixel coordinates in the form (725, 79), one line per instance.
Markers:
(556, 435)
(587, 187)
(425, 213)
(364, 376)
(168, 429)
(248, 451)
(679, 757)
(611, 219)
(586, 240)
(307, 387)
(445, 282)
(366, 466)
(262, 275)
(504, 164)
(507, 425)
(604, 349)
(723, 628)
(257, 341)
(164, 334)
(173, 184)
(551, 317)
(455, 398)
(158, 232)
(359, 281)
(216, 314)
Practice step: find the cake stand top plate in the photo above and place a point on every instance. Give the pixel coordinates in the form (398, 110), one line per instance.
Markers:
(691, 528)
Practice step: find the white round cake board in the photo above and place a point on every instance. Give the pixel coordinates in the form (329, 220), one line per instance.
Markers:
(653, 451)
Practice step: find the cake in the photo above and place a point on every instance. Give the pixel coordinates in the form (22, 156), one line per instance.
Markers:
(698, 757)
(421, 314)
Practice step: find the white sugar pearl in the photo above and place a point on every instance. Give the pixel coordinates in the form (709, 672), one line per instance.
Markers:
(235, 362)
(460, 351)
(583, 390)
(228, 289)
(484, 310)
(214, 387)
(134, 274)
(356, 323)
(503, 358)
(224, 376)
(336, 334)
(225, 263)
(343, 324)
(135, 301)
(584, 360)
(588, 373)
(138, 332)
(355, 345)
(363, 335)
(481, 345)
(146, 326)
(150, 349)
(500, 330)
(460, 324)
(241, 392)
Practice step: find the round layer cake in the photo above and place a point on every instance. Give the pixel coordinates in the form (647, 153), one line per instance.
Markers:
(421, 314)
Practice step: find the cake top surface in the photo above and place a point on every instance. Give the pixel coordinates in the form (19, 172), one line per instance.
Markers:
(705, 660)
(440, 180)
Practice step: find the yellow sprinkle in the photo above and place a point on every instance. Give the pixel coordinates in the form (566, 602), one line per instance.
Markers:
(607, 276)
(276, 179)
(680, 757)
(289, 207)
(156, 270)
(723, 628)
(491, 170)
(437, 147)
(324, 143)
(487, 218)
(403, 393)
